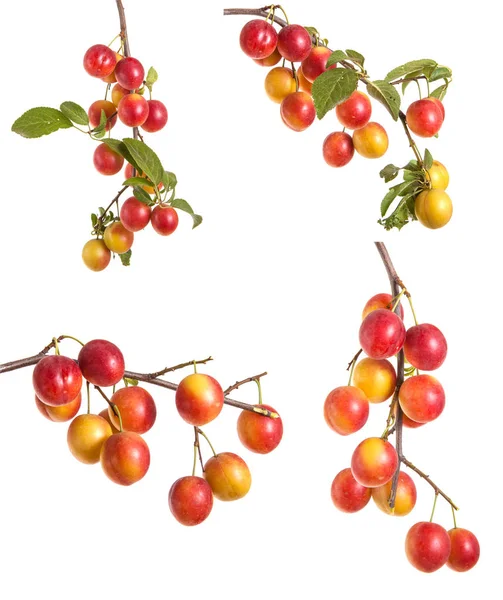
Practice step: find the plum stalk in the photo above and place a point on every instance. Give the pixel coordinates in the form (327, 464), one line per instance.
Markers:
(396, 286)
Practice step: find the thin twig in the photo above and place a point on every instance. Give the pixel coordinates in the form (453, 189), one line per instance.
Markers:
(243, 381)
(180, 366)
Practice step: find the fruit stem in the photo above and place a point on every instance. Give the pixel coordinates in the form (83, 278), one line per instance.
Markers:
(195, 366)
(434, 506)
(180, 366)
(412, 308)
(243, 381)
(56, 346)
(119, 35)
(113, 406)
(352, 366)
(454, 517)
(88, 397)
(201, 432)
(397, 301)
(257, 381)
(70, 337)
(198, 446)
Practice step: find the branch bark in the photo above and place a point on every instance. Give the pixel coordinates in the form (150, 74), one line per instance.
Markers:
(150, 378)
(397, 284)
(125, 40)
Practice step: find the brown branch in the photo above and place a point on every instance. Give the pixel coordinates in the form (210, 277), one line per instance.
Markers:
(243, 381)
(354, 359)
(144, 377)
(197, 445)
(180, 366)
(117, 196)
(396, 284)
(264, 12)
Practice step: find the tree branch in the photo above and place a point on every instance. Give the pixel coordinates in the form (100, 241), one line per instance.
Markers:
(152, 379)
(243, 381)
(264, 12)
(396, 283)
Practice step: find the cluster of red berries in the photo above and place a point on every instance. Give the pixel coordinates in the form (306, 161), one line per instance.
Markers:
(114, 436)
(375, 461)
(130, 106)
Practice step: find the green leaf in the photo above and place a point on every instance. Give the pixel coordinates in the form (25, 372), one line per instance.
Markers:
(411, 175)
(399, 217)
(142, 196)
(169, 180)
(410, 67)
(336, 57)
(386, 94)
(428, 159)
(408, 187)
(151, 77)
(387, 200)
(410, 76)
(132, 181)
(146, 159)
(126, 258)
(331, 88)
(40, 121)
(439, 92)
(312, 31)
(120, 147)
(128, 381)
(186, 207)
(75, 113)
(94, 220)
(356, 57)
(412, 166)
(440, 73)
(389, 172)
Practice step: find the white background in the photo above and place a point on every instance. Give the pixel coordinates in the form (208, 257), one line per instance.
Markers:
(274, 279)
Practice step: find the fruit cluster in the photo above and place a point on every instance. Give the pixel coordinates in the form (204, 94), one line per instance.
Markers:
(113, 437)
(320, 80)
(153, 188)
(417, 399)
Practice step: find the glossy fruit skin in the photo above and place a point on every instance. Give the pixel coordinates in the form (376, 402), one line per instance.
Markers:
(422, 398)
(118, 92)
(117, 238)
(346, 409)
(61, 413)
(125, 458)
(355, 112)
(374, 462)
(133, 110)
(228, 476)
(269, 61)
(371, 141)
(199, 399)
(376, 379)
(297, 111)
(258, 39)
(258, 433)
(424, 117)
(382, 334)
(439, 176)
(381, 301)
(294, 43)
(101, 363)
(440, 105)
(409, 423)
(427, 546)
(129, 73)
(338, 149)
(279, 83)
(86, 435)
(190, 500)
(465, 550)
(136, 407)
(433, 208)
(57, 380)
(425, 347)
(111, 78)
(304, 84)
(104, 414)
(106, 161)
(405, 500)
(134, 214)
(96, 255)
(164, 219)
(347, 494)
(94, 113)
(99, 60)
(316, 62)
(157, 116)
